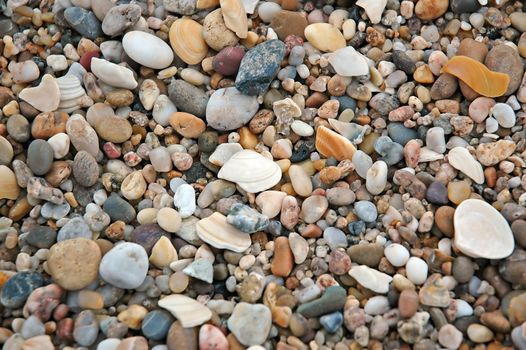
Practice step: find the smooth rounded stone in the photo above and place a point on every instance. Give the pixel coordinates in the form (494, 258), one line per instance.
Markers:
(18, 128)
(287, 23)
(377, 305)
(124, 266)
(147, 235)
(313, 208)
(119, 18)
(6, 151)
(463, 269)
(179, 337)
(156, 324)
(518, 20)
(324, 37)
(139, 46)
(333, 299)
(55, 211)
(163, 253)
(250, 323)
(519, 231)
(227, 61)
(396, 254)
(211, 337)
(60, 144)
(258, 67)
(300, 180)
(408, 301)
(18, 288)
(480, 107)
(400, 134)
(269, 202)
(435, 140)
(184, 200)
(186, 7)
(481, 231)
(188, 311)
(340, 196)
(188, 98)
(119, 209)
(403, 62)
(114, 129)
(368, 254)
(299, 247)
(109, 344)
(163, 108)
(372, 279)
(82, 136)
(339, 60)
(504, 115)
(160, 159)
(518, 337)
(216, 34)
(267, 10)
(74, 263)
(85, 169)
(84, 22)
(32, 327)
(23, 72)
(416, 270)
(39, 157)
(505, 59)
(478, 333)
(86, 328)
(169, 219)
(362, 162)
(450, 337)
(74, 228)
(437, 193)
(41, 236)
(376, 177)
(366, 211)
(113, 74)
(444, 87)
(332, 322)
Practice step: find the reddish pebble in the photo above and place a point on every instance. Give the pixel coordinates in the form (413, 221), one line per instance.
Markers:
(227, 61)
(112, 151)
(291, 41)
(133, 343)
(339, 262)
(60, 312)
(43, 301)
(283, 258)
(211, 338)
(85, 60)
(408, 303)
(65, 329)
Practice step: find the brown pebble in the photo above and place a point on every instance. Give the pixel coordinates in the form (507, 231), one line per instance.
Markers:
(188, 125)
(180, 338)
(444, 220)
(408, 303)
(46, 125)
(283, 260)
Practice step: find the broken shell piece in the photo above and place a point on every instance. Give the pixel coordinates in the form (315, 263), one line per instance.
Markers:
(8, 186)
(251, 171)
(352, 131)
(371, 279)
(235, 17)
(348, 62)
(113, 74)
(332, 144)
(72, 95)
(217, 232)
(373, 9)
(462, 160)
(427, 155)
(481, 231)
(188, 311)
(45, 97)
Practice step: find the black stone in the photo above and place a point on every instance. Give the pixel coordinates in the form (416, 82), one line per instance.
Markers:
(119, 209)
(41, 236)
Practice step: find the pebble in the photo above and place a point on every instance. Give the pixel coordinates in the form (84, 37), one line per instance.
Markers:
(188, 311)
(119, 18)
(84, 22)
(184, 200)
(396, 254)
(250, 323)
(18, 288)
(371, 279)
(287, 23)
(169, 219)
(504, 59)
(119, 209)
(188, 98)
(156, 324)
(479, 333)
(366, 211)
(283, 257)
(450, 337)
(211, 337)
(246, 219)
(324, 37)
(340, 57)
(416, 270)
(85, 169)
(39, 157)
(504, 115)
(124, 266)
(228, 60)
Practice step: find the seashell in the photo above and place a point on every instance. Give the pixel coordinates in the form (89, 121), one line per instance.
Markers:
(217, 232)
(113, 74)
(235, 17)
(340, 59)
(45, 97)
(477, 76)
(371, 279)
(352, 131)
(481, 231)
(8, 186)
(427, 155)
(187, 40)
(373, 9)
(462, 160)
(324, 37)
(188, 311)
(332, 144)
(72, 95)
(251, 171)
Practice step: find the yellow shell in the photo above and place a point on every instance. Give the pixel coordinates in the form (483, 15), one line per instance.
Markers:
(187, 40)
(235, 17)
(8, 186)
(324, 37)
(332, 144)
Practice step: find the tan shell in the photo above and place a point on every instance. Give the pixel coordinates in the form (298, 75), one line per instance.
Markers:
(188, 311)
(481, 231)
(72, 95)
(332, 144)
(8, 186)
(251, 171)
(462, 160)
(187, 40)
(206, 4)
(324, 37)
(235, 17)
(217, 232)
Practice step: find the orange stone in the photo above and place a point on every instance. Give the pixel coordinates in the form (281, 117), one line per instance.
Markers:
(283, 258)
(477, 76)
(188, 125)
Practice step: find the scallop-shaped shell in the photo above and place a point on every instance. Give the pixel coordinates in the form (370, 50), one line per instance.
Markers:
(251, 171)
(188, 311)
(72, 95)
(8, 186)
(187, 40)
(235, 17)
(217, 232)
(481, 231)
(332, 144)
(462, 160)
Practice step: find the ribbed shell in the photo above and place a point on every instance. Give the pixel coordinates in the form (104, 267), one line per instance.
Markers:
(332, 144)
(72, 95)
(187, 40)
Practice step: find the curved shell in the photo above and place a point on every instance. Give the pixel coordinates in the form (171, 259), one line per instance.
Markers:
(8, 186)
(251, 171)
(332, 144)
(188, 311)
(187, 40)
(113, 74)
(462, 160)
(217, 232)
(235, 17)
(481, 231)
(72, 95)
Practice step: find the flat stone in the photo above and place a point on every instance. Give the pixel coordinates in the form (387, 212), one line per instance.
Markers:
(39, 157)
(125, 265)
(371, 279)
(18, 288)
(83, 21)
(250, 323)
(333, 299)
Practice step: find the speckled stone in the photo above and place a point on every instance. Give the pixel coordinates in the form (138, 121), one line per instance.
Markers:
(258, 67)
(83, 21)
(188, 98)
(19, 287)
(247, 219)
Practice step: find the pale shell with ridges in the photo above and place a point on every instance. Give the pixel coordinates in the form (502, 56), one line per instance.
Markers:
(72, 95)
(187, 40)
(251, 171)
(188, 311)
(235, 17)
(217, 232)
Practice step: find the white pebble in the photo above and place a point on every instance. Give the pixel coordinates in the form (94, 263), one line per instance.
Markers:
(491, 125)
(463, 308)
(57, 62)
(377, 305)
(504, 115)
(416, 270)
(184, 200)
(396, 254)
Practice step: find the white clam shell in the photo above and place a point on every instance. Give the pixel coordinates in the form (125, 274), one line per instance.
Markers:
(481, 231)
(251, 171)
(217, 232)
(462, 160)
(188, 311)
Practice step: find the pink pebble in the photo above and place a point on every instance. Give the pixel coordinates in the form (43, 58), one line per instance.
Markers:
(479, 108)
(211, 338)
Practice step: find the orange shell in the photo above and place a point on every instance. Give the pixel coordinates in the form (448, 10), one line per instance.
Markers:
(332, 144)
(477, 76)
